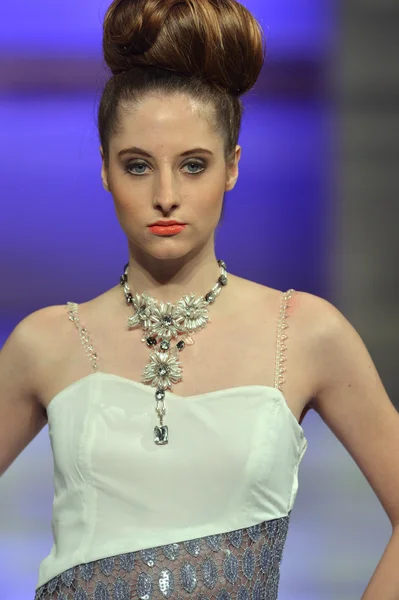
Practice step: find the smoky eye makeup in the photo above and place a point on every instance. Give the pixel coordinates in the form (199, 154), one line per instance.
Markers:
(129, 167)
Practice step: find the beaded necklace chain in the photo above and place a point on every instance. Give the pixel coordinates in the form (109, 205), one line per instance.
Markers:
(162, 323)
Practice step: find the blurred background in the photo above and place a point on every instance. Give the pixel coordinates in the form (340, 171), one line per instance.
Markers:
(319, 170)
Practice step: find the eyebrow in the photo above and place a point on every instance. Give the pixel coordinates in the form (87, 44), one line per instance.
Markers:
(135, 150)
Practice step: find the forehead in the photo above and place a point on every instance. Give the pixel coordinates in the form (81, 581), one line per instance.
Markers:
(173, 121)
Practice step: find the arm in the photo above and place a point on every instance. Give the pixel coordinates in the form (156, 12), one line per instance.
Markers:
(352, 401)
(22, 416)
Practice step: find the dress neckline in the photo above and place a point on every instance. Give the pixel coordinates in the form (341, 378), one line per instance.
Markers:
(171, 395)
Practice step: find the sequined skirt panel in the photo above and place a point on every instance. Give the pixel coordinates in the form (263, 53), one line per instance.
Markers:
(243, 565)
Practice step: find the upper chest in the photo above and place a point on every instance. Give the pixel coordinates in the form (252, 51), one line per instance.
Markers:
(239, 348)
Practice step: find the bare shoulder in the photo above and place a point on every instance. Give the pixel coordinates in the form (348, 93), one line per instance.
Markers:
(27, 338)
(316, 322)
(308, 317)
(339, 351)
(44, 335)
(340, 358)
(299, 303)
(32, 331)
(50, 333)
(45, 325)
(21, 412)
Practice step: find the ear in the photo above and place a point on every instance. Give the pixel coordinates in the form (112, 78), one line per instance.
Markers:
(104, 173)
(232, 170)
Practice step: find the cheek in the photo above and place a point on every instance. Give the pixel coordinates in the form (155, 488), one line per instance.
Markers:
(122, 188)
(128, 198)
(213, 199)
(129, 207)
(210, 191)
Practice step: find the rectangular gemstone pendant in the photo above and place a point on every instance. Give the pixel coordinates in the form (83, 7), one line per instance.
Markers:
(161, 435)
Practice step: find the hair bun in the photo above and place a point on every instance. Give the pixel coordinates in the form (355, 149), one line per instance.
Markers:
(217, 40)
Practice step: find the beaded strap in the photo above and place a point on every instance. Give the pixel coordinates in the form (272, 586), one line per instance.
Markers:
(83, 333)
(281, 337)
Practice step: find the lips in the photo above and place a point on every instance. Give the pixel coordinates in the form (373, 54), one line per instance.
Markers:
(166, 223)
(167, 230)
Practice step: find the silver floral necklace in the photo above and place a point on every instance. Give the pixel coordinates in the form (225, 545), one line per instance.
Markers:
(162, 323)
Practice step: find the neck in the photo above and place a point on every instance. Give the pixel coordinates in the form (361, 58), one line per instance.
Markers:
(167, 280)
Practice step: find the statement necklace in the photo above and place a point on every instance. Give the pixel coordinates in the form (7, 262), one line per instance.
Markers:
(162, 323)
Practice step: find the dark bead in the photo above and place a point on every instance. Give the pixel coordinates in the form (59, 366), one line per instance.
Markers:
(222, 264)
(210, 298)
(163, 371)
(180, 345)
(151, 342)
(167, 320)
(165, 345)
(123, 279)
(222, 280)
(159, 395)
(129, 299)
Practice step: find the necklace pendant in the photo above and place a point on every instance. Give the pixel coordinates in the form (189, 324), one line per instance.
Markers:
(163, 370)
(161, 435)
(161, 323)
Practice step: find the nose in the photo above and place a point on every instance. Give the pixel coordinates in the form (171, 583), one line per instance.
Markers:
(165, 193)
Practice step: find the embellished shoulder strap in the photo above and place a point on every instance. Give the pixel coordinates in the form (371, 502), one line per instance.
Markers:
(73, 312)
(281, 337)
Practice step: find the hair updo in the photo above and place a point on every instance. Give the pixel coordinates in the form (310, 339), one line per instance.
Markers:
(211, 50)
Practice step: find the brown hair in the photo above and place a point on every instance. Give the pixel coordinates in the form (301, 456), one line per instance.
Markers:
(211, 50)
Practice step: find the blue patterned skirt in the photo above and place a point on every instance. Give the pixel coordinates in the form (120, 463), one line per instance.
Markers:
(239, 565)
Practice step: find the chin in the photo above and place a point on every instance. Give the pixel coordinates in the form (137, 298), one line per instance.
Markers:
(167, 249)
(168, 255)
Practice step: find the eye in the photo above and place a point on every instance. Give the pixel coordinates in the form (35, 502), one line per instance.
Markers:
(132, 166)
(195, 165)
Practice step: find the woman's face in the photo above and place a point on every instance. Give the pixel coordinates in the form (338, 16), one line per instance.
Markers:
(167, 163)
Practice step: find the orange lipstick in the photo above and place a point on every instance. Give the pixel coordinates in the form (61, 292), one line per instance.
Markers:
(166, 228)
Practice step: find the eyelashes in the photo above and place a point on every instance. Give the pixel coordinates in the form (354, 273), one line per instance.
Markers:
(129, 168)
